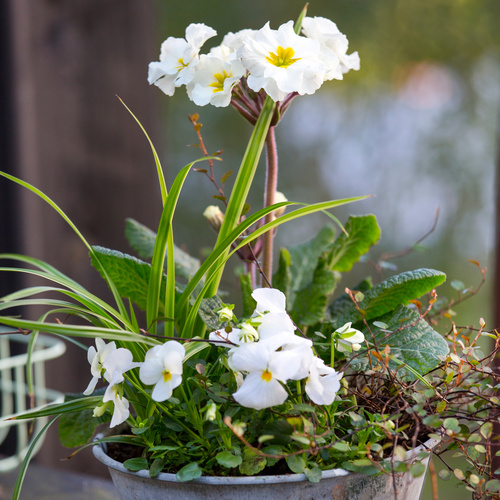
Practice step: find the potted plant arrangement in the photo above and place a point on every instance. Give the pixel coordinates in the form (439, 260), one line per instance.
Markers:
(308, 392)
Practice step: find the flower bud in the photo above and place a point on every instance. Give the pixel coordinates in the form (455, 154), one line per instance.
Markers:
(278, 198)
(214, 216)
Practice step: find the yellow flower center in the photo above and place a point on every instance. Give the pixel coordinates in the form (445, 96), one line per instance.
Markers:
(218, 85)
(182, 64)
(283, 57)
(166, 376)
(267, 376)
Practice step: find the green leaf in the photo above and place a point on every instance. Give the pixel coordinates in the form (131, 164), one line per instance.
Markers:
(76, 429)
(304, 258)
(388, 295)
(228, 459)
(417, 469)
(136, 464)
(313, 475)
(493, 485)
(189, 472)
(296, 463)
(362, 233)
(142, 240)
(252, 463)
(311, 302)
(419, 346)
(208, 314)
(247, 301)
(129, 274)
(282, 278)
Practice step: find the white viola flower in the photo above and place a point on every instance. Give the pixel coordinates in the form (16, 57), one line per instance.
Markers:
(266, 370)
(216, 75)
(348, 335)
(120, 404)
(322, 383)
(96, 358)
(271, 313)
(162, 368)
(179, 58)
(334, 45)
(116, 364)
(281, 62)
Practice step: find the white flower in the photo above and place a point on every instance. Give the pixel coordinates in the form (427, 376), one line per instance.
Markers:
(333, 45)
(216, 75)
(234, 41)
(266, 369)
(116, 364)
(347, 334)
(120, 411)
(322, 383)
(178, 58)
(96, 358)
(271, 313)
(162, 368)
(281, 62)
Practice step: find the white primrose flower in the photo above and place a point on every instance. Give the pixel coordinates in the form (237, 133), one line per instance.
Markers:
(179, 58)
(334, 45)
(281, 62)
(322, 383)
(234, 41)
(162, 368)
(96, 358)
(216, 75)
(266, 370)
(350, 336)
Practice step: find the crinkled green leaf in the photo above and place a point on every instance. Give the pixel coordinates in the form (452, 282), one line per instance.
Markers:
(208, 312)
(304, 257)
(129, 274)
(362, 233)
(311, 302)
(77, 428)
(252, 463)
(387, 296)
(142, 240)
(419, 346)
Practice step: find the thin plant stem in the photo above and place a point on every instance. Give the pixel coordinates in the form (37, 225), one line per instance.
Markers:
(270, 191)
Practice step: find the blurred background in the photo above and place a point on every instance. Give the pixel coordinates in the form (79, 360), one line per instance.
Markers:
(417, 127)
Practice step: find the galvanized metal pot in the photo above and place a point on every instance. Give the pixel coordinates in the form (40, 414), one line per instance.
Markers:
(336, 484)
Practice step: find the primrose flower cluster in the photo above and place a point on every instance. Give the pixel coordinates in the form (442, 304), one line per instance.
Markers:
(264, 353)
(279, 62)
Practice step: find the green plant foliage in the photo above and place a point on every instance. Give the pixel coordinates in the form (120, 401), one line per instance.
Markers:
(362, 233)
(411, 340)
(129, 274)
(142, 240)
(386, 296)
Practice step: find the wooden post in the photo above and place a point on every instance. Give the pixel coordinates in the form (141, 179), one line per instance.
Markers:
(78, 144)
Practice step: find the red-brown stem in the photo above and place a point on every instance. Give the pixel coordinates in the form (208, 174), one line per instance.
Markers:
(270, 190)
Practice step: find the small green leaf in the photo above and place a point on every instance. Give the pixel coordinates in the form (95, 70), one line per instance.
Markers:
(313, 475)
(208, 312)
(417, 469)
(459, 474)
(189, 472)
(156, 467)
(136, 464)
(444, 474)
(493, 485)
(487, 430)
(228, 459)
(296, 463)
